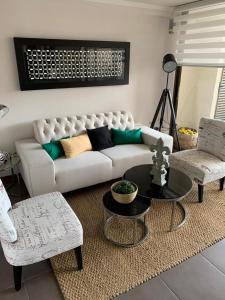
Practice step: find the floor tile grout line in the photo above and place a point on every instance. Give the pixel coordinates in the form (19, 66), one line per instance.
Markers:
(25, 280)
(209, 261)
(27, 292)
(178, 298)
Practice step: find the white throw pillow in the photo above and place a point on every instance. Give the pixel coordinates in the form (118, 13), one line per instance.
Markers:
(7, 229)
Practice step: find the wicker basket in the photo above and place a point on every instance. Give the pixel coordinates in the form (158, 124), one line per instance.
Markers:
(188, 141)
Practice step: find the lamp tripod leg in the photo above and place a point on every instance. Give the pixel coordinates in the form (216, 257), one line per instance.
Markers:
(162, 113)
(173, 116)
(160, 104)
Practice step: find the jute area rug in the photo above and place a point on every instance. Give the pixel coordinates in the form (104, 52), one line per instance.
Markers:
(111, 270)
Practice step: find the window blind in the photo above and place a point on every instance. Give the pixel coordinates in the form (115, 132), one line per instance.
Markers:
(220, 107)
(199, 34)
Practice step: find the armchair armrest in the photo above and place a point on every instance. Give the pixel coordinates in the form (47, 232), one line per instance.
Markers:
(150, 137)
(38, 168)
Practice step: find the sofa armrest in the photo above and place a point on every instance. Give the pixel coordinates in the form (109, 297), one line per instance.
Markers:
(38, 168)
(150, 137)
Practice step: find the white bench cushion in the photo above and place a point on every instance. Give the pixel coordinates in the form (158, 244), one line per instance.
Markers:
(88, 168)
(199, 165)
(46, 226)
(127, 156)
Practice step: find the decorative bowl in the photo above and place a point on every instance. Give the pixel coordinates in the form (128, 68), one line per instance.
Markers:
(124, 198)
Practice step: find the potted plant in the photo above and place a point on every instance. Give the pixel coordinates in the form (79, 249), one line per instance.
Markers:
(124, 191)
(188, 138)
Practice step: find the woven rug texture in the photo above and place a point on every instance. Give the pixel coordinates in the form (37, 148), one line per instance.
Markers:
(110, 270)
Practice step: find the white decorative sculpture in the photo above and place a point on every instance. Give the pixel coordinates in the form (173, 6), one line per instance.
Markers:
(160, 162)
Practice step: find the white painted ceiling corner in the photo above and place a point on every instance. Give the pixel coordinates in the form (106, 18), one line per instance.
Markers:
(153, 9)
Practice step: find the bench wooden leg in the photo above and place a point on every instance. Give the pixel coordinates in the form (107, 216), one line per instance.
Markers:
(17, 272)
(78, 255)
(222, 180)
(200, 193)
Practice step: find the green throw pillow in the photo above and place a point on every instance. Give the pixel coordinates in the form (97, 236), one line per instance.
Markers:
(54, 149)
(120, 137)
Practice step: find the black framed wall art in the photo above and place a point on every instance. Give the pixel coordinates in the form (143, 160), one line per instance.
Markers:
(51, 63)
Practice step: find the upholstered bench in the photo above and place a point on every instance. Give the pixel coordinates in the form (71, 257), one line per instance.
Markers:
(37, 229)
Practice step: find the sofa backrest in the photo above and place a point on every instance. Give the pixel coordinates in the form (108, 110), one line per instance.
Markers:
(46, 130)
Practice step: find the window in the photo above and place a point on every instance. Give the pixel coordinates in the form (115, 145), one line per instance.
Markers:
(220, 106)
(199, 34)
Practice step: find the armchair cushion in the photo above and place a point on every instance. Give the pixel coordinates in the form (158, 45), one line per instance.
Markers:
(200, 166)
(46, 226)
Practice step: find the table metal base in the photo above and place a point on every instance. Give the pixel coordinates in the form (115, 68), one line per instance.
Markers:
(135, 242)
(185, 215)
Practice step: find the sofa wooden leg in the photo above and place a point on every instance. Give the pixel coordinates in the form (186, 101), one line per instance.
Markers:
(78, 254)
(200, 193)
(17, 272)
(222, 180)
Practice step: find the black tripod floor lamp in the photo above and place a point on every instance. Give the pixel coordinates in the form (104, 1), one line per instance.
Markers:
(169, 65)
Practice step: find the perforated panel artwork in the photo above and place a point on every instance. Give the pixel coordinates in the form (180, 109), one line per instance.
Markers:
(63, 63)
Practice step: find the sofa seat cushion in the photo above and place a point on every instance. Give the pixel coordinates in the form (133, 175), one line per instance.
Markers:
(199, 165)
(125, 157)
(46, 226)
(87, 168)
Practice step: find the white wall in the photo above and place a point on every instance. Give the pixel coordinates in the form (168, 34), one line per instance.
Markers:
(76, 19)
(197, 95)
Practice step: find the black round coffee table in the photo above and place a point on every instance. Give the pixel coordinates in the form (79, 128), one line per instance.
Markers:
(177, 186)
(135, 211)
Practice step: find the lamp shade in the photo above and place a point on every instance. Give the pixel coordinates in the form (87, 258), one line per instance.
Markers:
(169, 63)
(3, 110)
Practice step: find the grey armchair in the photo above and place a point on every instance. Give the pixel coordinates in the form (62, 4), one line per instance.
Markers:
(206, 163)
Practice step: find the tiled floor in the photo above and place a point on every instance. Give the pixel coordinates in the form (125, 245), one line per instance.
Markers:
(201, 277)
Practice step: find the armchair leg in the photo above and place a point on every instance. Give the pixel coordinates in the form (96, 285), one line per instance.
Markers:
(222, 180)
(78, 255)
(200, 193)
(17, 272)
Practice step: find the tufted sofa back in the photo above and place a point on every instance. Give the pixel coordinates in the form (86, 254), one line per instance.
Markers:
(46, 130)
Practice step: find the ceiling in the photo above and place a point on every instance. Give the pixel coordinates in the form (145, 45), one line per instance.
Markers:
(168, 3)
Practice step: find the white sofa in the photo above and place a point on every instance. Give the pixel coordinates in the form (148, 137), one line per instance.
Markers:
(43, 175)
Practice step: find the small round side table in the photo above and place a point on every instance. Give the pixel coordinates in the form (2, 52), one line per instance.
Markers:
(135, 211)
(12, 166)
(177, 186)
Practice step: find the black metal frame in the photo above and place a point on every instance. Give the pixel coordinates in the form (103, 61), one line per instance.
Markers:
(17, 270)
(21, 45)
(161, 106)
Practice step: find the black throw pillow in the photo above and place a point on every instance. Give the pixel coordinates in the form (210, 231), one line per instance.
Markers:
(100, 138)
